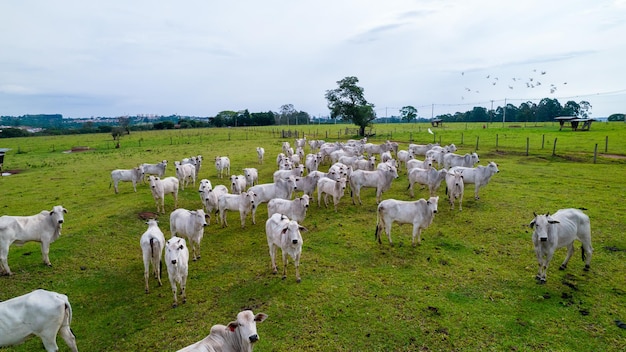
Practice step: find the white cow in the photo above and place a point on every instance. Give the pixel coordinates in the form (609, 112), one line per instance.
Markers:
(185, 173)
(237, 184)
(260, 152)
(189, 224)
(308, 183)
(252, 176)
(467, 160)
(160, 188)
(413, 163)
(437, 155)
(404, 156)
(245, 203)
(152, 243)
(421, 149)
(284, 174)
(285, 148)
(205, 184)
(133, 175)
(41, 313)
(238, 335)
(196, 161)
(312, 162)
(222, 163)
(478, 176)
(266, 191)
(420, 213)
(455, 188)
(380, 179)
(210, 200)
(293, 209)
(327, 186)
(44, 227)
(372, 149)
(368, 164)
(177, 262)
(560, 230)
(284, 234)
(430, 177)
(157, 170)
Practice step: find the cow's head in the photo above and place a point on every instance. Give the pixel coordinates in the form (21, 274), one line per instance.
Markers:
(432, 203)
(174, 247)
(540, 225)
(57, 214)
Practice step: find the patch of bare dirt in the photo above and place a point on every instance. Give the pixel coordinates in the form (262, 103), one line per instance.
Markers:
(147, 215)
(613, 156)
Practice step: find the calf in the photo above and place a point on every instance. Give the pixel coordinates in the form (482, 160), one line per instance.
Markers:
(160, 188)
(222, 163)
(133, 175)
(252, 176)
(284, 234)
(245, 203)
(177, 262)
(239, 335)
(455, 188)
(189, 224)
(380, 179)
(430, 177)
(327, 186)
(260, 152)
(560, 229)
(293, 209)
(237, 184)
(479, 176)
(185, 173)
(420, 213)
(41, 313)
(152, 243)
(44, 227)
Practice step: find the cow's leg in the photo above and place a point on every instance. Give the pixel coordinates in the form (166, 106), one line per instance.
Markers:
(115, 186)
(45, 249)
(273, 257)
(476, 189)
(285, 262)
(135, 185)
(146, 273)
(417, 231)
(173, 283)
(242, 216)
(335, 202)
(411, 189)
(587, 251)
(223, 217)
(183, 288)
(4, 254)
(68, 337)
(570, 251)
(546, 265)
(388, 231)
(539, 263)
(49, 339)
(297, 264)
(253, 218)
(175, 194)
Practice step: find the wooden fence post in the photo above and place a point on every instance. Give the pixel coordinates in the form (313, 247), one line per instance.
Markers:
(606, 144)
(543, 139)
(477, 138)
(527, 141)
(461, 138)
(595, 153)
(554, 148)
(497, 136)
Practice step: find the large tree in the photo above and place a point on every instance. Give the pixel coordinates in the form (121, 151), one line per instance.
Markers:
(408, 113)
(348, 103)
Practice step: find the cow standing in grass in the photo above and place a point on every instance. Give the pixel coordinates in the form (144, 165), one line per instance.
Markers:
(177, 261)
(420, 213)
(560, 230)
(152, 243)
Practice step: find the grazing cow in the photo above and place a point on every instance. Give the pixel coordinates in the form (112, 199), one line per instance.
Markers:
(380, 179)
(260, 152)
(430, 177)
(467, 160)
(293, 209)
(252, 176)
(284, 234)
(237, 184)
(41, 313)
(157, 170)
(152, 243)
(44, 227)
(133, 175)
(245, 203)
(327, 186)
(479, 176)
(210, 200)
(560, 229)
(160, 188)
(177, 262)
(455, 188)
(420, 213)
(189, 224)
(222, 163)
(238, 335)
(185, 173)
(284, 174)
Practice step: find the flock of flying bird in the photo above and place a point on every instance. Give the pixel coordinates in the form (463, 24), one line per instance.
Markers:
(531, 82)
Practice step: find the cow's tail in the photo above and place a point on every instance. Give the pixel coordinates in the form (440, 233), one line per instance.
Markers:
(582, 251)
(152, 247)
(378, 225)
(446, 190)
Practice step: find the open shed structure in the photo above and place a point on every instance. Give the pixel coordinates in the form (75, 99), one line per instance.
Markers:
(436, 122)
(577, 123)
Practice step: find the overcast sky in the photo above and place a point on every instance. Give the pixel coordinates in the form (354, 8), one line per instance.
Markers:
(85, 58)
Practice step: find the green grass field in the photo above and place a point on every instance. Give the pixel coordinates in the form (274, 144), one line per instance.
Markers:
(469, 287)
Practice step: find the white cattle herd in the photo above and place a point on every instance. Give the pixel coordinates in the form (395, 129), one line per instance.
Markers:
(351, 165)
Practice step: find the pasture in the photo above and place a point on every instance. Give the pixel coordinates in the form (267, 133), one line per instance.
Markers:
(469, 286)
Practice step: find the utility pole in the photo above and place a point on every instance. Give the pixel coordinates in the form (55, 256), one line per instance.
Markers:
(504, 113)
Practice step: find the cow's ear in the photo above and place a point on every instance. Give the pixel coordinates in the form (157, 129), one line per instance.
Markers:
(283, 231)
(65, 210)
(302, 228)
(260, 317)
(532, 224)
(206, 216)
(552, 221)
(232, 326)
